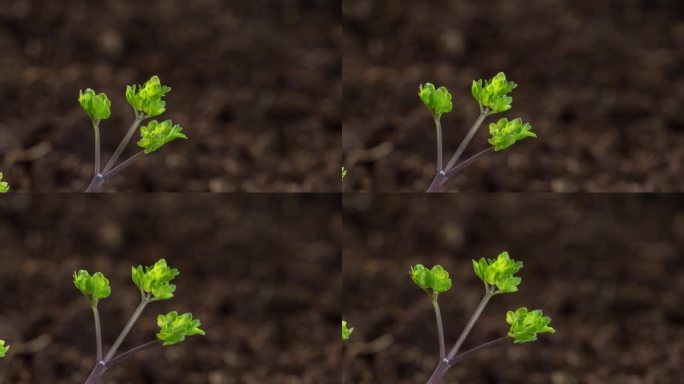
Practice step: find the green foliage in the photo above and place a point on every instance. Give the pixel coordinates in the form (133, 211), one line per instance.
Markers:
(147, 98)
(174, 328)
(434, 281)
(499, 272)
(526, 325)
(493, 94)
(344, 173)
(4, 187)
(3, 348)
(505, 133)
(96, 106)
(94, 287)
(346, 332)
(154, 282)
(155, 135)
(437, 100)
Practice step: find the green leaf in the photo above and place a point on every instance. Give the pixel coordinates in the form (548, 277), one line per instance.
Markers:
(346, 332)
(4, 187)
(154, 135)
(493, 93)
(437, 100)
(505, 133)
(499, 272)
(148, 98)
(3, 348)
(154, 281)
(174, 328)
(525, 326)
(434, 281)
(96, 106)
(94, 287)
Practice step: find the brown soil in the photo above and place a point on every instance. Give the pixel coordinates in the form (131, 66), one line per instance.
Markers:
(256, 86)
(610, 272)
(601, 83)
(262, 274)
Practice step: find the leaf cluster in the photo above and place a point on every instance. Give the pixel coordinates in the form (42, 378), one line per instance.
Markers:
(525, 326)
(97, 106)
(346, 332)
(493, 94)
(173, 328)
(155, 281)
(148, 98)
(505, 133)
(433, 281)
(4, 187)
(94, 287)
(499, 272)
(3, 348)
(154, 135)
(437, 100)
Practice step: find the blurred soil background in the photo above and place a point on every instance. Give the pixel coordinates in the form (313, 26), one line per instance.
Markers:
(256, 87)
(610, 273)
(263, 276)
(601, 82)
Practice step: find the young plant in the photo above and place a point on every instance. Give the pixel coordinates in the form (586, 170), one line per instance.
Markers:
(3, 348)
(4, 187)
(147, 101)
(498, 276)
(493, 97)
(155, 284)
(346, 332)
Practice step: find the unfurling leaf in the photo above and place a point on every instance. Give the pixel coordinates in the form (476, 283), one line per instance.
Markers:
(346, 332)
(174, 328)
(94, 287)
(493, 94)
(4, 187)
(155, 281)
(97, 106)
(499, 272)
(505, 133)
(437, 100)
(525, 326)
(148, 98)
(154, 135)
(3, 348)
(434, 281)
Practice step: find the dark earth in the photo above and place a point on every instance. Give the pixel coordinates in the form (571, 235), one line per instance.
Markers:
(610, 273)
(256, 86)
(262, 274)
(601, 82)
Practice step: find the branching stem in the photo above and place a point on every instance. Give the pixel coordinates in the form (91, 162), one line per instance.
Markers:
(126, 329)
(438, 126)
(116, 360)
(138, 119)
(98, 333)
(468, 138)
(440, 329)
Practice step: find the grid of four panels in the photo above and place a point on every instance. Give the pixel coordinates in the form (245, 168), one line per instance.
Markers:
(355, 192)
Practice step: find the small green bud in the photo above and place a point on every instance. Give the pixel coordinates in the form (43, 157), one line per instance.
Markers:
(96, 106)
(437, 100)
(499, 272)
(346, 332)
(526, 325)
(4, 187)
(154, 282)
(344, 173)
(174, 328)
(434, 281)
(505, 133)
(494, 93)
(3, 348)
(155, 135)
(147, 98)
(94, 287)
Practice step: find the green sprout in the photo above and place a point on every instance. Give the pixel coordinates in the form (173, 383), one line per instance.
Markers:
(346, 332)
(4, 187)
(174, 328)
(498, 276)
(94, 287)
(148, 98)
(155, 135)
(433, 281)
(344, 173)
(505, 133)
(3, 348)
(525, 326)
(97, 106)
(437, 100)
(499, 273)
(147, 101)
(154, 281)
(493, 95)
